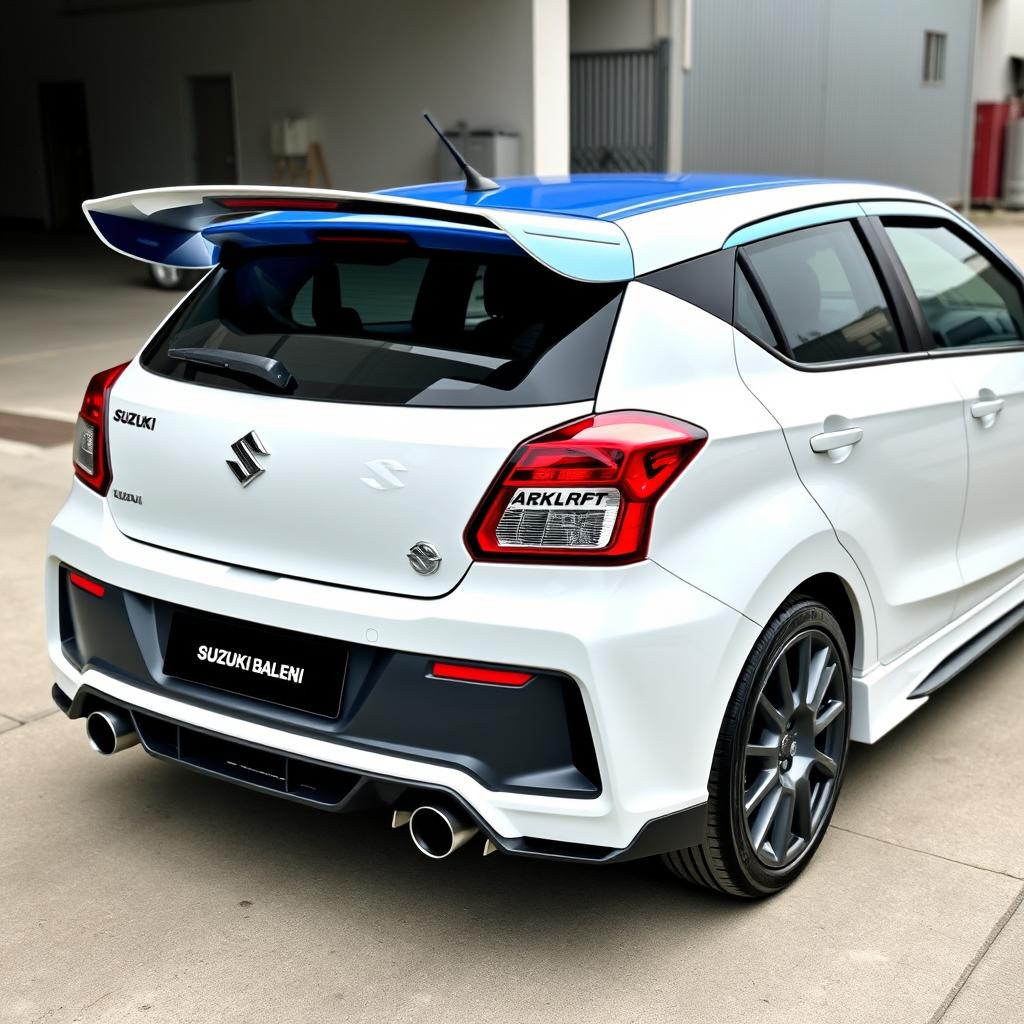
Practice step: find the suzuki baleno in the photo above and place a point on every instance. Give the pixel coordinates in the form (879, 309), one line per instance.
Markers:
(585, 519)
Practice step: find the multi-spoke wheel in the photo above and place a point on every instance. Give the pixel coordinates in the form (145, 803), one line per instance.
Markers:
(795, 743)
(779, 759)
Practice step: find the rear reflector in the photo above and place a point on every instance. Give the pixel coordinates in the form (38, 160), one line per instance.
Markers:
(84, 583)
(475, 674)
(585, 491)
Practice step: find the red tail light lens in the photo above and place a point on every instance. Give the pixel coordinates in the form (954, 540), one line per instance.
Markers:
(89, 452)
(585, 492)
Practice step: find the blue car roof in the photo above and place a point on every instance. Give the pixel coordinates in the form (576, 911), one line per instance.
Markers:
(583, 226)
(607, 196)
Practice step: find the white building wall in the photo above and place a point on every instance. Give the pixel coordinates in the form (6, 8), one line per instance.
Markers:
(1000, 37)
(1015, 29)
(362, 71)
(550, 86)
(992, 62)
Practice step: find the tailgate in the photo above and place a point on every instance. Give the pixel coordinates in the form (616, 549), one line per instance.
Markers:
(341, 495)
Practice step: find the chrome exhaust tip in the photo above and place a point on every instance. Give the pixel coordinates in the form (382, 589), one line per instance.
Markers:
(438, 832)
(110, 731)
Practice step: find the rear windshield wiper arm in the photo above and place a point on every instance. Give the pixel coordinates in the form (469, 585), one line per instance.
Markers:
(266, 368)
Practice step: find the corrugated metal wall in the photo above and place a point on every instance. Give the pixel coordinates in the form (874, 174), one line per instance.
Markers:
(829, 88)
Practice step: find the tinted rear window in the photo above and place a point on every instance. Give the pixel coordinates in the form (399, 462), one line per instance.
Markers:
(397, 325)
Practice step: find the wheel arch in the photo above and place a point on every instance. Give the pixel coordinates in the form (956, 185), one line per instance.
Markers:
(831, 590)
(821, 568)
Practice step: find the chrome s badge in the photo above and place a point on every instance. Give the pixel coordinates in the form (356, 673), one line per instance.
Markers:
(383, 478)
(247, 469)
(424, 558)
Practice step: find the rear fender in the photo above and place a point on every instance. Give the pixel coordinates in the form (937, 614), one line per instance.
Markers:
(738, 524)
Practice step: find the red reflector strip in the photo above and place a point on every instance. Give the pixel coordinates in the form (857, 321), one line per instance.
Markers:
(86, 584)
(474, 674)
(278, 204)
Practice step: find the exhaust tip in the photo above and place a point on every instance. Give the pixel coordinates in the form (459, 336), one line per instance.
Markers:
(437, 832)
(109, 732)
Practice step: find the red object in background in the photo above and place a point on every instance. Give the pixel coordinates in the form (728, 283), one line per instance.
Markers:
(990, 120)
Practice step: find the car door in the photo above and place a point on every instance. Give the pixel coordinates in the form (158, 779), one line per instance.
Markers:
(874, 426)
(972, 305)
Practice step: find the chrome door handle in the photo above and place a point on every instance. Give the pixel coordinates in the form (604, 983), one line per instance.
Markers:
(832, 440)
(986, 407)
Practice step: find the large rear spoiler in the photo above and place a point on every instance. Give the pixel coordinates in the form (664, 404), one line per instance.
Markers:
(167, 225)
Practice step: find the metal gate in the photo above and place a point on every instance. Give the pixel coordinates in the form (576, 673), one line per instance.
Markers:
(618, 109)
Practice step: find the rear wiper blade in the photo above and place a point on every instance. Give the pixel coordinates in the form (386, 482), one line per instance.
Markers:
(266, 368)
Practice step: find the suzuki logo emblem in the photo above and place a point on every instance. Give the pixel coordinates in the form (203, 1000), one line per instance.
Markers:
(424, 558)
(247, 469)
(384, 479)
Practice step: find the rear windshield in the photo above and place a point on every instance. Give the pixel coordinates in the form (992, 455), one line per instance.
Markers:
(397, 325)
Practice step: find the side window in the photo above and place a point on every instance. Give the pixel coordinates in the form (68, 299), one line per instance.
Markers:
(825, 295)
(967, 299)
(748, 315)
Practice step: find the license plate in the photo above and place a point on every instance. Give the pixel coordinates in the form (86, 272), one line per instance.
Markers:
(279, 666)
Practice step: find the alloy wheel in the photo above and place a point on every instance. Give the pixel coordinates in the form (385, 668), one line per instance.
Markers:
(795, 744)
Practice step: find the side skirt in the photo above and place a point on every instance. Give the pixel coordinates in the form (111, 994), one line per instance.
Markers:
(952, 666)
(886, 694)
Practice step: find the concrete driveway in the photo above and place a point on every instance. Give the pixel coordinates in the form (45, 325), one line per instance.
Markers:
(132, 890)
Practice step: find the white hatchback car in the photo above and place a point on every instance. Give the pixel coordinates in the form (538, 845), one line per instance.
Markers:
(591, 517)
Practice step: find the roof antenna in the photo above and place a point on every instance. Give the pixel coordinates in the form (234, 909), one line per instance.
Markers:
(475, 181)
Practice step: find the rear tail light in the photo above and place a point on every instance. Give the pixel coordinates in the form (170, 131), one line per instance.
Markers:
(585, 492)
(89, 452)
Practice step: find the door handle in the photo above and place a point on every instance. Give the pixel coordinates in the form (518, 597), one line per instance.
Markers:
(832, 440)
(986, 407)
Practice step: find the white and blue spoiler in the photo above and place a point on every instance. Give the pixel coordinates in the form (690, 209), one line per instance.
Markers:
(183, 227)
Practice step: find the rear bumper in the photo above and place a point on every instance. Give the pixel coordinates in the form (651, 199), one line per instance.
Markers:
(327, 787)
(532, 738)
(654, 660)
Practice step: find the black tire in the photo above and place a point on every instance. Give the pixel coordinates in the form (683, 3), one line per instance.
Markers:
(748, 853)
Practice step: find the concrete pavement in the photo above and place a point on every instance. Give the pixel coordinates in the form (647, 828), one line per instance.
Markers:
(132, 890)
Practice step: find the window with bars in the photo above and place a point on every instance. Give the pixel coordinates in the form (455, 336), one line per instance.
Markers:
(934, 71)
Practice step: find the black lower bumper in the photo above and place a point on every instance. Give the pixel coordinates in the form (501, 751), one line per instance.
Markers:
(339, 790)
(533, 738)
